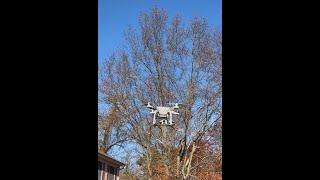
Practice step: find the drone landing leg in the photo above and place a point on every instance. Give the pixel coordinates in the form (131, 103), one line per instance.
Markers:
(170, 120)
(154, 119)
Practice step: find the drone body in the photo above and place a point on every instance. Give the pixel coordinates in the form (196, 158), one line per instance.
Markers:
(163, 114)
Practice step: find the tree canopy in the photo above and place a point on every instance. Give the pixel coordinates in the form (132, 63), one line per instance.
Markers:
(165, 62)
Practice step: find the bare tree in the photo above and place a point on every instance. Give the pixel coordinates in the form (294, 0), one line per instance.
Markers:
(112, 131)
(166, 63)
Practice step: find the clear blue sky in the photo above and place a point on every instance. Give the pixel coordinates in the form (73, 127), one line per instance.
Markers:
(114, 16)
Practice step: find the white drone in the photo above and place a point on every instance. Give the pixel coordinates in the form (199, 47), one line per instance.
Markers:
(164, 114)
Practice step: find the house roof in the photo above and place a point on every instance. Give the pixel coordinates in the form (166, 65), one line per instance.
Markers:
(110, 159)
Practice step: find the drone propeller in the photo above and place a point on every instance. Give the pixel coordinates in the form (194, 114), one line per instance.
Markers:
(175, 103)
(149, 106)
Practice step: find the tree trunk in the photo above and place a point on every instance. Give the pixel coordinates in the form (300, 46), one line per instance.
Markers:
(187, 166)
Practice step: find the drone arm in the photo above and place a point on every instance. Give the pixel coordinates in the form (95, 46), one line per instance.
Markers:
(173, 112)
